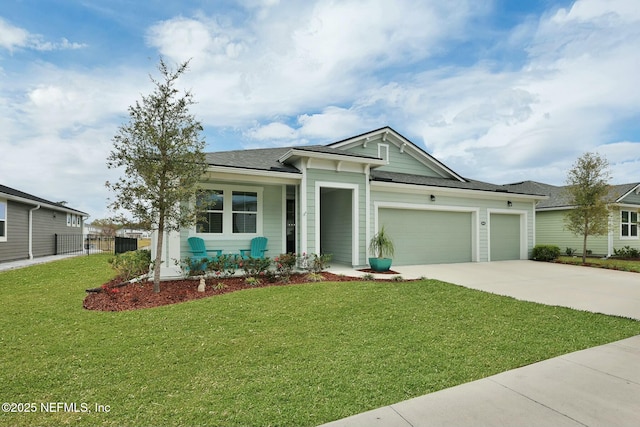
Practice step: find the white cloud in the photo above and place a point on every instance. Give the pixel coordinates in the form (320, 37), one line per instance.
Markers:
(12, 37)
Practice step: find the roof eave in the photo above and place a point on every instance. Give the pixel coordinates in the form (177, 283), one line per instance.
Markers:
(466, 191)
(297, 153)
(42, 204)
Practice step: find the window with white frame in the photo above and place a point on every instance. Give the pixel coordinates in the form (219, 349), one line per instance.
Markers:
(230, 211)
(212, 220)
(629, 224)
(3, 221)
(245, 211)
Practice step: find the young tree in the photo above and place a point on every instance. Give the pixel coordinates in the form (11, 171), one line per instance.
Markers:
(162, 154)
(588, 187)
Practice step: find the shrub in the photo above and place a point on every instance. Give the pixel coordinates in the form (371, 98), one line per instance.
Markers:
(285, 263)
(223, 265)
(131, 264)
(193, 267)
(315, 263)
(626, 252)
(254, 267)
(570, 251)
(545, 252)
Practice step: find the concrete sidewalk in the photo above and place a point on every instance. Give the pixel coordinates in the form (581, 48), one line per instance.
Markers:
(599, 386)
(11, 265)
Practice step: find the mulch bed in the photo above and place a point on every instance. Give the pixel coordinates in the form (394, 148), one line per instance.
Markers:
(117, 296)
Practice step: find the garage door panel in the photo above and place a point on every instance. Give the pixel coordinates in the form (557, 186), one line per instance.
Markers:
(505, 237)
(428, 237)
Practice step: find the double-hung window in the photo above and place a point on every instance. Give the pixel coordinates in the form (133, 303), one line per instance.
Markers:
(230, 211)
(245, 212)
(213, 216)
(629, 224)
(3, 221)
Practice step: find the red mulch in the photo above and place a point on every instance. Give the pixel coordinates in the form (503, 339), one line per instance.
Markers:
(116, 296)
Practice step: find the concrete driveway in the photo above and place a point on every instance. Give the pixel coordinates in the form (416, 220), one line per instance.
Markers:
(592, 289)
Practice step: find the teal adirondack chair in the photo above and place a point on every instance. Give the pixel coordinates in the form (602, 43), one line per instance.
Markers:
(258, 248)
(200, 252)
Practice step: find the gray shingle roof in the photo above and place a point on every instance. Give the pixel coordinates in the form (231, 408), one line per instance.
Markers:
(470, 184)
(259, 159)
(21, 194)
(558, 197)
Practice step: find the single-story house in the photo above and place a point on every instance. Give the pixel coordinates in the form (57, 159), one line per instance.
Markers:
(333, 198)
(550, 228)
(31, 226)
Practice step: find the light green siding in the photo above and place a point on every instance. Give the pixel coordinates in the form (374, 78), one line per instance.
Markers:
(616, 230)
(505, 237)
(331, 179)
(428, 237)
(336, 224)
(273, 197)
(550, 230)
(398, 162)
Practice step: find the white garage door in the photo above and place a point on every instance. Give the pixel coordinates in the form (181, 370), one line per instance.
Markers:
(428, 237)
(505, 237)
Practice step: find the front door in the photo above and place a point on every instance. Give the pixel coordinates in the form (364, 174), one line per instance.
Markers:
(291, 226)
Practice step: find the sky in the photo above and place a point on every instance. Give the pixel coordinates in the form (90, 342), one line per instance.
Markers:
(498, 90)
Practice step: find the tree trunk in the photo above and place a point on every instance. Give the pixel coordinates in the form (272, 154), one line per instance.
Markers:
(584, 241)
(158, 261)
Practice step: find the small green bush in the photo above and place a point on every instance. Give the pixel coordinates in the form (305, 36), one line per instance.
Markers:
(545, 252)
(570, 251)
(315, 263)
(131, 264)
(254, 267)
(223, 266)
(626, 252)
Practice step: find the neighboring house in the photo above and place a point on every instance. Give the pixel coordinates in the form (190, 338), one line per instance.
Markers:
(334, 198)
(550, 229)
(29, 225)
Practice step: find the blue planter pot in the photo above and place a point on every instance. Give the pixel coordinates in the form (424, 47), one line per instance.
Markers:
(380, 264)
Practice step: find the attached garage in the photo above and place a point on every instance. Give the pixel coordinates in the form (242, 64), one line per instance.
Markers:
(428, 236)
(504, 236)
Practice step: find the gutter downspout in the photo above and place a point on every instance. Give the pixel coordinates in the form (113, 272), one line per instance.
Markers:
(31, 230)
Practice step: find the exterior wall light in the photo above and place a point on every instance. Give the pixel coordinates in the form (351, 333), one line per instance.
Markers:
(433, 198)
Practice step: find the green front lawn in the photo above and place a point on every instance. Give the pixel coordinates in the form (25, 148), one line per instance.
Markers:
(294, 355)
(610, 263)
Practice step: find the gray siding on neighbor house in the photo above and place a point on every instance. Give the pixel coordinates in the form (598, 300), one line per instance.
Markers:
(17, 244)
(46, 223)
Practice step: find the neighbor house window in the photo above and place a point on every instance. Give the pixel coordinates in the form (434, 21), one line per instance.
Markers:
(3, 221)
(231, 211)
(213, 216)
(629, 224)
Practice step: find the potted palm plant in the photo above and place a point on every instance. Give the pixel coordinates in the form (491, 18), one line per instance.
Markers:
(381, 245)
